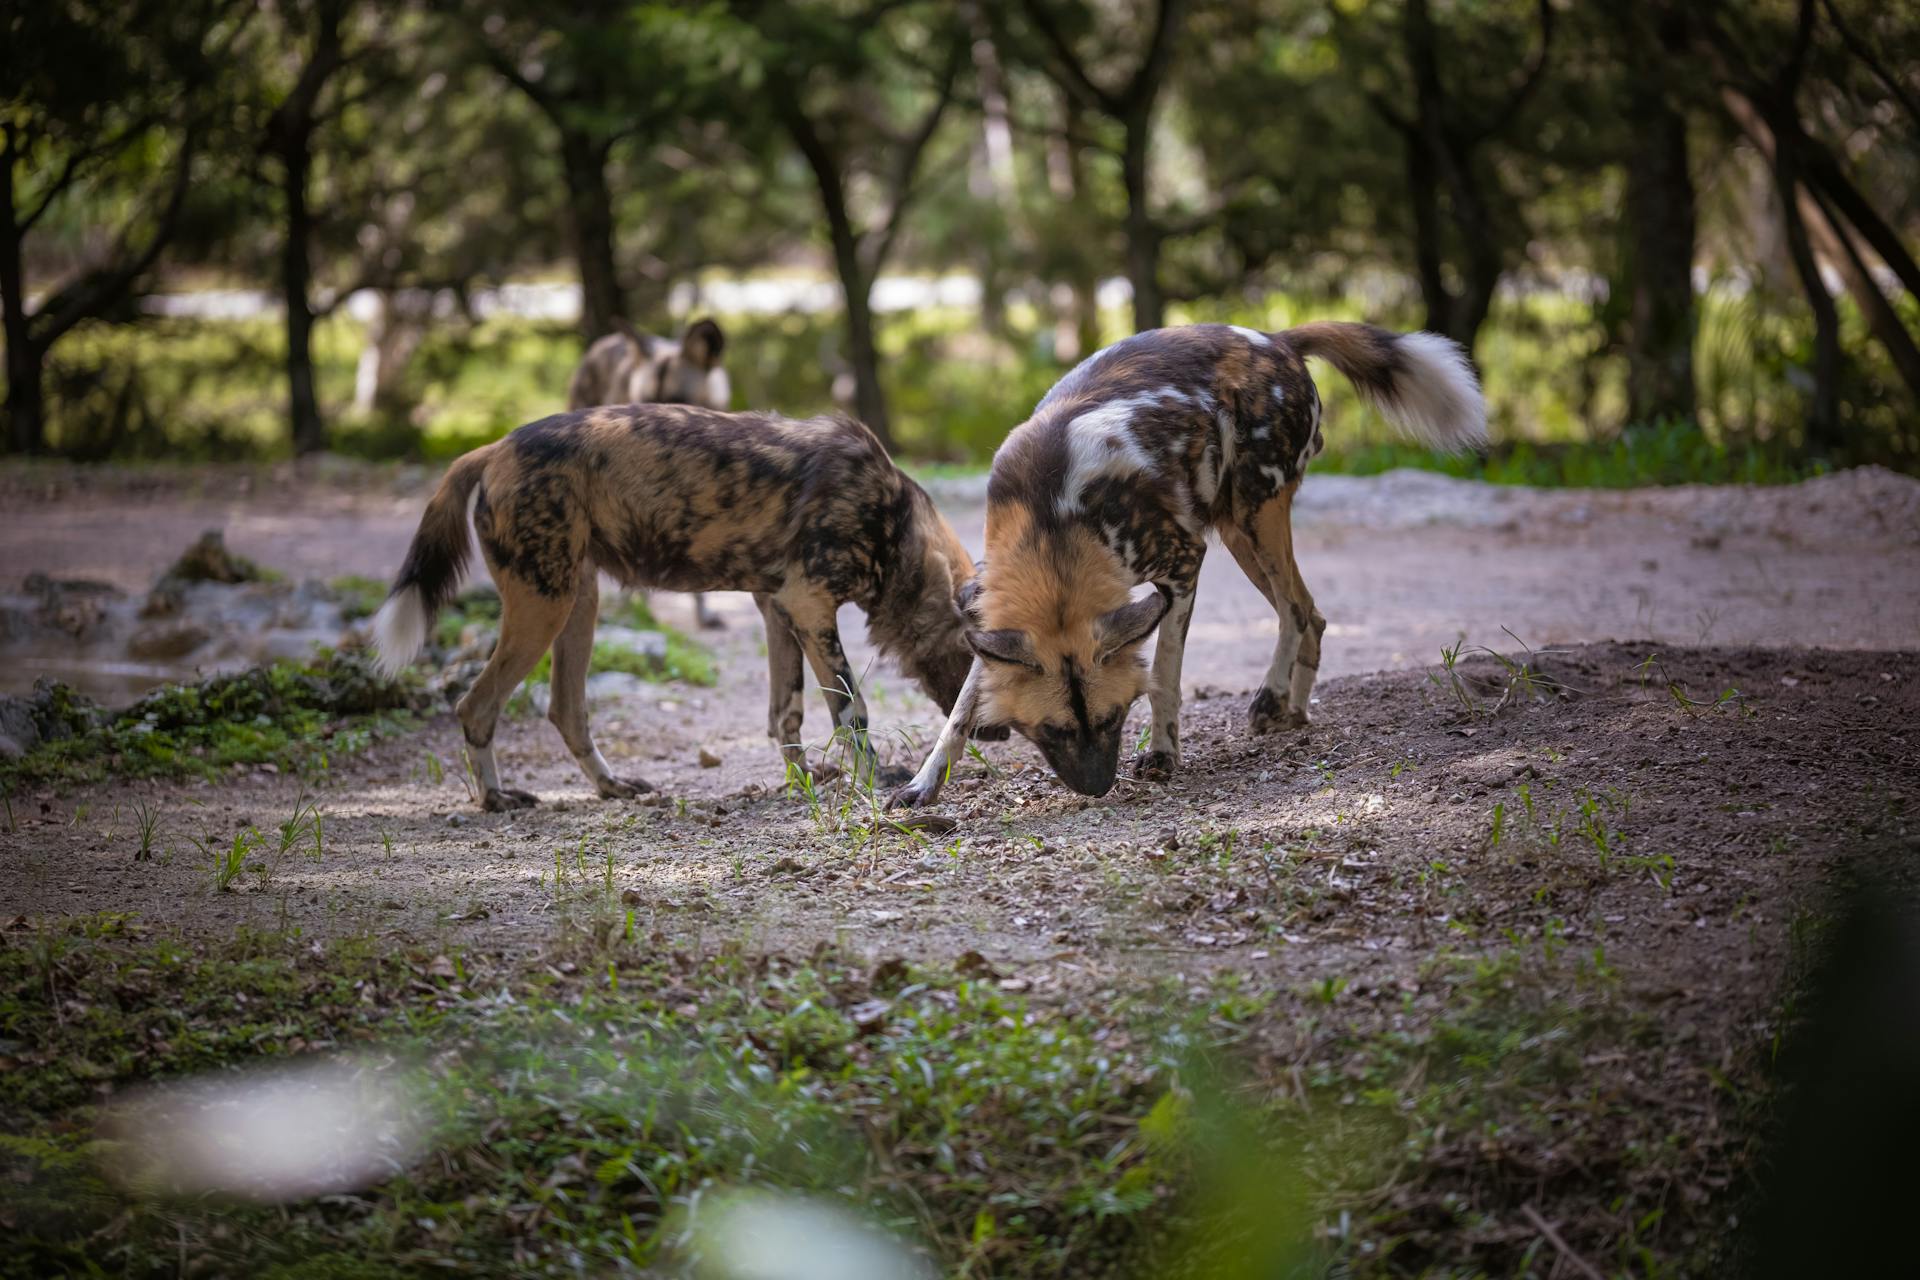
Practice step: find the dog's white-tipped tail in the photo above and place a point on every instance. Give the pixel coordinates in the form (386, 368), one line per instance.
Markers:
(1435, 397)
(399, 630)
(1422, 383)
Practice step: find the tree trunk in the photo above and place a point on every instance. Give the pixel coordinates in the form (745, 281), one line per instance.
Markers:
(296, 279)
(590, 224)
(1143, 238)
(1423, 193)
(863, 352)
(1823, 413)
(26, 412)
(1660, 218)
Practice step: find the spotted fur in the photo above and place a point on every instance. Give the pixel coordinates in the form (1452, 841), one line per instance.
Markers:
(806, 515)
(1116, 480)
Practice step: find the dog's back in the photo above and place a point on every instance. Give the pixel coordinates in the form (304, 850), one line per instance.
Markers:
(690, 499)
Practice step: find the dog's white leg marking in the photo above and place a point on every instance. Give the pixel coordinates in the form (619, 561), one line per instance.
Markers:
(926, 784)
(486, 772)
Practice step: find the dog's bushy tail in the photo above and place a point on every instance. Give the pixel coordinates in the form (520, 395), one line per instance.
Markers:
(431, 572)
(1422, 383)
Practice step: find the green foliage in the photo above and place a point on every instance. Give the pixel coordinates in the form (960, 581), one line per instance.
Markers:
(291, 715)
(1004, 1135)
(686, 661)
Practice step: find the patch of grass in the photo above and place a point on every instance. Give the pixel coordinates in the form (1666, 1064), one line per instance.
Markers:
(686, 661)
(295, 716)
(1664, 453)
(577, 1125)
(359, 595)
(1529, 1080)
(478, 605)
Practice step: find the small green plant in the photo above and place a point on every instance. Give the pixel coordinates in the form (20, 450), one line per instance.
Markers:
(146, 817)
(227, 863)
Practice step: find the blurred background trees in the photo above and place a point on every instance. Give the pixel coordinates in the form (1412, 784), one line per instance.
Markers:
(1676, 233)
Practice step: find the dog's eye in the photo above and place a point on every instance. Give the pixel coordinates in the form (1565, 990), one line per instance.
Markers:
(1112, 721)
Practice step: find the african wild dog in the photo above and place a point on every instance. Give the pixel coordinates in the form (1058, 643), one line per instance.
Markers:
(630, 367)
(806, 515)
(1116, 480)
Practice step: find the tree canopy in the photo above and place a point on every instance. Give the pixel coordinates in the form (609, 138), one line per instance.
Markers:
(1687, 212)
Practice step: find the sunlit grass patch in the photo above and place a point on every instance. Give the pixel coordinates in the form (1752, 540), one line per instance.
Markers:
(294, 716)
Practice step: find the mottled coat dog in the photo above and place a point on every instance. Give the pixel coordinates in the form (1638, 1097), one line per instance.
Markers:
(630, 367)
(805, 515)
(1116, 480)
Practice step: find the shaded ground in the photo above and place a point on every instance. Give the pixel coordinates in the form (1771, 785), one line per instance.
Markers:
(1608, 882)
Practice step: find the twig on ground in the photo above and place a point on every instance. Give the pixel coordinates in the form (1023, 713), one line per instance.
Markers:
(1565, 1250)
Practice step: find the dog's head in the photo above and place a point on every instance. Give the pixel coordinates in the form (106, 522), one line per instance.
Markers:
(688, 371)
(1060, 638)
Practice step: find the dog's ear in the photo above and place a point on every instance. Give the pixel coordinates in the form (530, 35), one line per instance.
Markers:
(966, 601)
(703, 343)
(1005, 645)
(1130, 623)
(641, 342)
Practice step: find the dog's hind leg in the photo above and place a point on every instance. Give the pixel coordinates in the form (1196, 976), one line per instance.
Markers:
(1264, 548)
(572, 654)
(704, 615)
(786, 682)
(529, 623)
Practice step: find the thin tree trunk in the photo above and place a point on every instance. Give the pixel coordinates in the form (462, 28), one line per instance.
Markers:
(296, 278)
(590, 224)
(1830, 236)
(863, 351)
(1660, 217)
(1143, 238)
(1423, 192)
(26, 412)
(1823, 413)
(856, 279)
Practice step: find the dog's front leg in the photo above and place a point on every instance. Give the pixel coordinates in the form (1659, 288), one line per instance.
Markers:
(926, 784)
(818, 634)
(1162, 756)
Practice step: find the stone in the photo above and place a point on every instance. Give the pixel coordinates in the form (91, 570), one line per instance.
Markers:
(166, 640)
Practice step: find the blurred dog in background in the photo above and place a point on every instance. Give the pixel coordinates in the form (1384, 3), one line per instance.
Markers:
(630, 367)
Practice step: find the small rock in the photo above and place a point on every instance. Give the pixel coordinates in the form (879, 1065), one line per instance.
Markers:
(456, 819)
(167, 640)
(870, 1015)
(708, 760)
(631, 897)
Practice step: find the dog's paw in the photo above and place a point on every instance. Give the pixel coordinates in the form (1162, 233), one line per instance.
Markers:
(624, 788)
(712, 622)
(915, 795)
(501, 799)
(1269, 713)
(1154, 766)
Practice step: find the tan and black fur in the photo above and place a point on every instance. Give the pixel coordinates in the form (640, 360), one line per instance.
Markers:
(630, 367)
(806, 515)
(1116, 480)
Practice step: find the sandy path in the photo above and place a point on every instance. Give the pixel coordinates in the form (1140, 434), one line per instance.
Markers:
(1400, 564)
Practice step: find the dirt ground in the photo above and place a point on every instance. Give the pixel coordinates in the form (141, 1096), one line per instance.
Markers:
(1721, 716)
(1402, 565)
